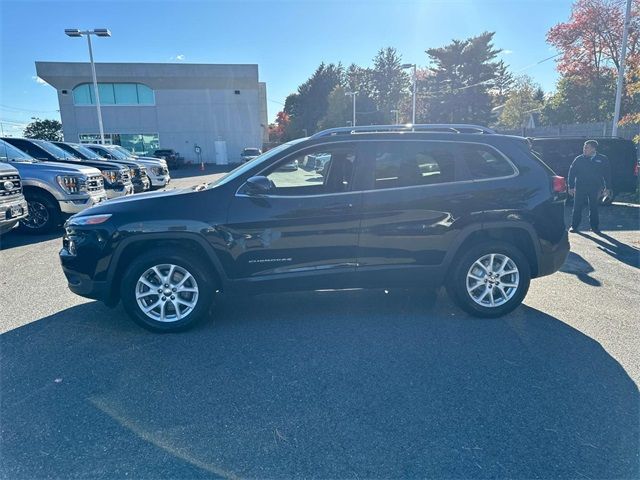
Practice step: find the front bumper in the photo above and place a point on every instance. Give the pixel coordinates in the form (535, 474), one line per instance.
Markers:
(141, 185)
(11, 213)
(78, 205)
(120, 191)
(159, 181)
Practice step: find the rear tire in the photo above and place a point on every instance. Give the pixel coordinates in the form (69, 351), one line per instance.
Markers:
(167, 290)
(486, 289)
(44, 214)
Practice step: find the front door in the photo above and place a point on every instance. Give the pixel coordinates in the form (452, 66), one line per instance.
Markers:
(305, 228)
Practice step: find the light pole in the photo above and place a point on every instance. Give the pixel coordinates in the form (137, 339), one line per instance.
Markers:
(414, 66)
(353, 94)
(397, 112)
(98, 32)
(623, 53)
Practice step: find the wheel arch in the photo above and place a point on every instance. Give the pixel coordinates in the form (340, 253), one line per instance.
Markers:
(519, 234)
(131, 247)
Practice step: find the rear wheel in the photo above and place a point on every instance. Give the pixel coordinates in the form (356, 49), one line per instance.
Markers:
(490, 280)
(167, 291)
(44, 214)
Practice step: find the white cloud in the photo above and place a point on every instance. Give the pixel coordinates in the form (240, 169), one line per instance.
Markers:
(178, 58)
(507, 52)
(38, 80)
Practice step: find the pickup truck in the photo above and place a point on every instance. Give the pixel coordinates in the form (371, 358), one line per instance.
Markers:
(13, 206)
(54, 191)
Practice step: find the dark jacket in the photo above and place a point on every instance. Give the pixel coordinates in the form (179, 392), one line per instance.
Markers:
(590, 173)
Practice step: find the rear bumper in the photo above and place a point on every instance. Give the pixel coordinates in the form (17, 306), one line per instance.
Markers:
(552, 255)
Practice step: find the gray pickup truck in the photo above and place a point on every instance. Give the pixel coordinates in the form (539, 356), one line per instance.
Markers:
(53, 191)
(13, 206)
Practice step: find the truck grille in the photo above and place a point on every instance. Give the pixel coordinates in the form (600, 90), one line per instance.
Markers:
(95, 183)
(15, 190)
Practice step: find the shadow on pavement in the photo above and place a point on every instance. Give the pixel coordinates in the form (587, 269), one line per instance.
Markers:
(330, 385)
(18, 239)
(578, 266)
(620, 251)
(617, 216)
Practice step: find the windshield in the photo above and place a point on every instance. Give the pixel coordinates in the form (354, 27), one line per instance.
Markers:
(122, 150)
(9, 153)
(251, 151)
(243, 168)
(54, 150)
(87, 152)
(117, 153)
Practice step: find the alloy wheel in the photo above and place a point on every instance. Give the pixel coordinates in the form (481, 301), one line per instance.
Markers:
(38, 215)
(492, 280)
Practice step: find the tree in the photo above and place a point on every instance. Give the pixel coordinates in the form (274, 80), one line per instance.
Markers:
(277, 129)
(633, 89)
(389, 82)
(44, 130)
(309, 105)
(339, 109)
(463, 74)
(522, 101)
(502, 84)
(579, 100)
(589, 44)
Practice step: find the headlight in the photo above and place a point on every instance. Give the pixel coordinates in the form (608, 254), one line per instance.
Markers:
(110, 176)
(89, 219)
(72, 183)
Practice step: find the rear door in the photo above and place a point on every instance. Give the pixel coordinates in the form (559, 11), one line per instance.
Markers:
(305, 227)
(414, 205)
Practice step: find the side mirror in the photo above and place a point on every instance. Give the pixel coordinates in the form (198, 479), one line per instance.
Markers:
(258, 185)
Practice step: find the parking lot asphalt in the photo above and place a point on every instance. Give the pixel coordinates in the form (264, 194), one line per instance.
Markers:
(349, 384)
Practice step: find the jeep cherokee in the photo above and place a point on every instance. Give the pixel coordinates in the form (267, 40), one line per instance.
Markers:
(393, 206)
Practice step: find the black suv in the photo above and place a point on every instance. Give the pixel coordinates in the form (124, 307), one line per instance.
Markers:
(392, 207)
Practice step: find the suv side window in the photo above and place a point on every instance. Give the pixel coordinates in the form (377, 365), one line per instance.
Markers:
(483, 162)
(405, 164)
(30, 149)
(322, 169)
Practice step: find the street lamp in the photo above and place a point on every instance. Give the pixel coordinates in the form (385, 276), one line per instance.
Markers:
(98, 32)
(414, 66)
(623, 53)
(353, 94)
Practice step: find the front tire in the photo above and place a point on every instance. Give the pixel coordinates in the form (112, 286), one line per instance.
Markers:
(44, 214)
(490, 280)
(167, 290)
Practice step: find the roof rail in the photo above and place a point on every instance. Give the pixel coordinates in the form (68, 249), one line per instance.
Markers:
(429, 127)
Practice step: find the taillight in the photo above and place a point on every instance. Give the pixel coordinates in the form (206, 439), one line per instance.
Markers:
(559, 184)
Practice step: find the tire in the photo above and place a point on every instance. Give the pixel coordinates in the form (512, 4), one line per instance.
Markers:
(44, 214)
(196, 297)
(463, 289)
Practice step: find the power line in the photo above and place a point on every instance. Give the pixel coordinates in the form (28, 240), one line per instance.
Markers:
(7, 107)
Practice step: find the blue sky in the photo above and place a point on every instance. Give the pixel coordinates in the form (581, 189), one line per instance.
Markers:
(287, 39)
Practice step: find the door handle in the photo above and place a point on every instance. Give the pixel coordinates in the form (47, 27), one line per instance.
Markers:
(339, 207)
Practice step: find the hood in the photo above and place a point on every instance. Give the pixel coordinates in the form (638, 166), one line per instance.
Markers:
(27, 169)
(99, 164)
(150, 162)
(6, 169)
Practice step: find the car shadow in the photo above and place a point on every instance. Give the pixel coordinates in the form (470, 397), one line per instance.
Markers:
(620, 251)
(327, 384)
(578, 266)
(19, 239)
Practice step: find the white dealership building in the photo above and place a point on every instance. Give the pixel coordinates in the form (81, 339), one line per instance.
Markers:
(145, 106)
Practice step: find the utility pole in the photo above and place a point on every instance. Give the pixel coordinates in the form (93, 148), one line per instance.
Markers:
(413, 101)
(623, 54)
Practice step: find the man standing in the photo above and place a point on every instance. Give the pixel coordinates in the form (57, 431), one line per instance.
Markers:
(589, 179)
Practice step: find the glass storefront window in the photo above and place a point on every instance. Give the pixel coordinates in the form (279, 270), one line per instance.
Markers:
(137, 143)
(114, 94)
(82, 94)
(126, 93)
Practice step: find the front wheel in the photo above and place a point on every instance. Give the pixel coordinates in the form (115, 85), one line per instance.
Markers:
(44, 214)
(167, 291)
(490, 280)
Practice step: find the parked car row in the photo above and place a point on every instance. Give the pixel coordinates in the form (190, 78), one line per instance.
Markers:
(42, 183)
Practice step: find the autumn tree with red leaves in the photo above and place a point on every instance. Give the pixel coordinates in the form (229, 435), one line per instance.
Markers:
(589, 45)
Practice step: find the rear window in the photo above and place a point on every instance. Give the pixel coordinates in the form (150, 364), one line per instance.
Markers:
(483, 162)
(406, 164)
